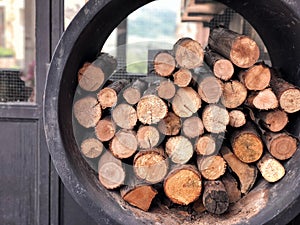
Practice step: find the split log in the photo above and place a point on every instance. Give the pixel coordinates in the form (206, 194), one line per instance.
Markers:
(151, 165)
(211, 167)
(124, 116)
(288, 95)
(237, 118)
(124, 144)
(188, 53)
(215, 197)
(221, 67)
(210, 88)
(91, 148)
(263, 100)
(170, 125)
(270, 169)
(179, 149)
(166, 89)
(183, 184)
(246, 173)
(231, 186)
(105, 129)
(206, 145)
(234, 94)
(133, 93)
(108, 96)
(148, 137)
(281, 146)
(111, 171)
(92, 75)
(274, 120)
(256, 78)
(164, 64)
(186, 102)
(240, 49)
(192, 127)
(87, 111)
(215, 118)
(247, 144)
(182, 77)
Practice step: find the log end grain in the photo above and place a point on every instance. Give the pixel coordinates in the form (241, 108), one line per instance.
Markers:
(192, 127)
(179, 149)
(182, 77)
(105, 129)
(170, 125)
(290, 100)
(148, 137)
(274, 120)
(237, 118)
(90, 77)
(91, 148)
(124, 116)
(164, 64)
(107, 97)
(283, 146)
(257, 77)
(211, 167)
(206, 145)
(132, 95)
(223, 69)
(234, 94)
(166, 89)
(215, 118)
(210, 89)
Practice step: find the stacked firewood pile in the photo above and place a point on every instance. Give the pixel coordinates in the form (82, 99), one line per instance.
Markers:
(198, 133)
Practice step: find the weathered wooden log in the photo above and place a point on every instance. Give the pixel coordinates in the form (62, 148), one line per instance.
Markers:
(133, 93)
(124, 144)
(256, 78)
(231, 186)
(247, 144)
(211, 167)
(237, 118)
(192, 127)
(105, 129)
(188, 53)
(210, 88)
(215, 197)
(263, 100)
(186, 102)
(92, 75)
(148, 137)
(240, 49)
(87, 111)
(164, 63)
(179, 149)
(281, 145)
(198, 206)
(170, 124)
(271, 169)
(183, 184)
(215, 118)
(205, 145)
(108, 96)
(182, 77)
(246, 173)
(166, 89)
(274, 120)
(221, 67)
(110, 171)
(124, 116)
(91, 148)
(234, 94)
(151, 165)
(288, 95)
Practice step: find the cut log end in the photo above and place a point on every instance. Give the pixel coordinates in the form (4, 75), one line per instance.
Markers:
(210, 89)
(164, 64)
(166, 89)
(234, 94)
(273, 120)
(223, 69)
(90, 77)
(124, 116)
(215, 118)
(211, 167)
(170, 125)
(105, 129)
(91, 148)
(263, 100)
(132, 95)
(290, 100)
(237, 118)
(107, 97)
(192, 127)
(182, 77)
(111, 175)
(179, 149)
(148, 137)
(206, 145)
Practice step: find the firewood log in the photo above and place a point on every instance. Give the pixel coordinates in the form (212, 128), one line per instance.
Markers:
(179, 149)
(170, 124)
(274, 120)
(124, 116)
(215, 118)
(192, 127)
(240, 49)
(210, 88)
(166, 89)
(237, 118)
(133, 93)
(148, 137)
(215, 197)
(231, 186)
(188, 53)
(211, 167)
(183, 184)
(246, 173)
(205, 145)
(164, 63)
(91, 148)
(105, 129)
(263, 100)
(182, 77)
(87, 111)
(234, 94)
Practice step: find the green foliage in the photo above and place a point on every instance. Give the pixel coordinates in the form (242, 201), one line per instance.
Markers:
(6, 52)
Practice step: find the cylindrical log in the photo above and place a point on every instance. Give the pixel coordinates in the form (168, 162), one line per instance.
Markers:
(211, 167)
(183, 184)
(124, 116)
(274, 120)
(256, 78)
(234, 94)
(182, 77)
(87, 111)
(215, 197)
(133, 93)
(164, 64)
(210, 89)
(124, 144)
(231, 186)
(148, 137)
(263, 100)
(91, 148)
(205, 145)
(221, 67)
(170, 125)
(188, 53)
(215, 118)
(151, 165)
(246, 173)
(166, 89)
(247, 144)
(105, 129)
(192, 127)
(270, 169)
(186, 102)
(237, 118)
(281, 146)
(240, 49)
(179, 149)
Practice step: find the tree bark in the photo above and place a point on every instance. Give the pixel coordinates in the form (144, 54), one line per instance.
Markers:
(274, 120)
(211, 167)
(105, 129)
(234, 94)
(192, 127)
(182, 77)
(124, 116)
(215, 118)
(164, 64)
(237, 118)
(179, 149)
(206, 145)
(134, 93)
(170, 125)
(263, 100)
(91, 148)
(148, 137)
